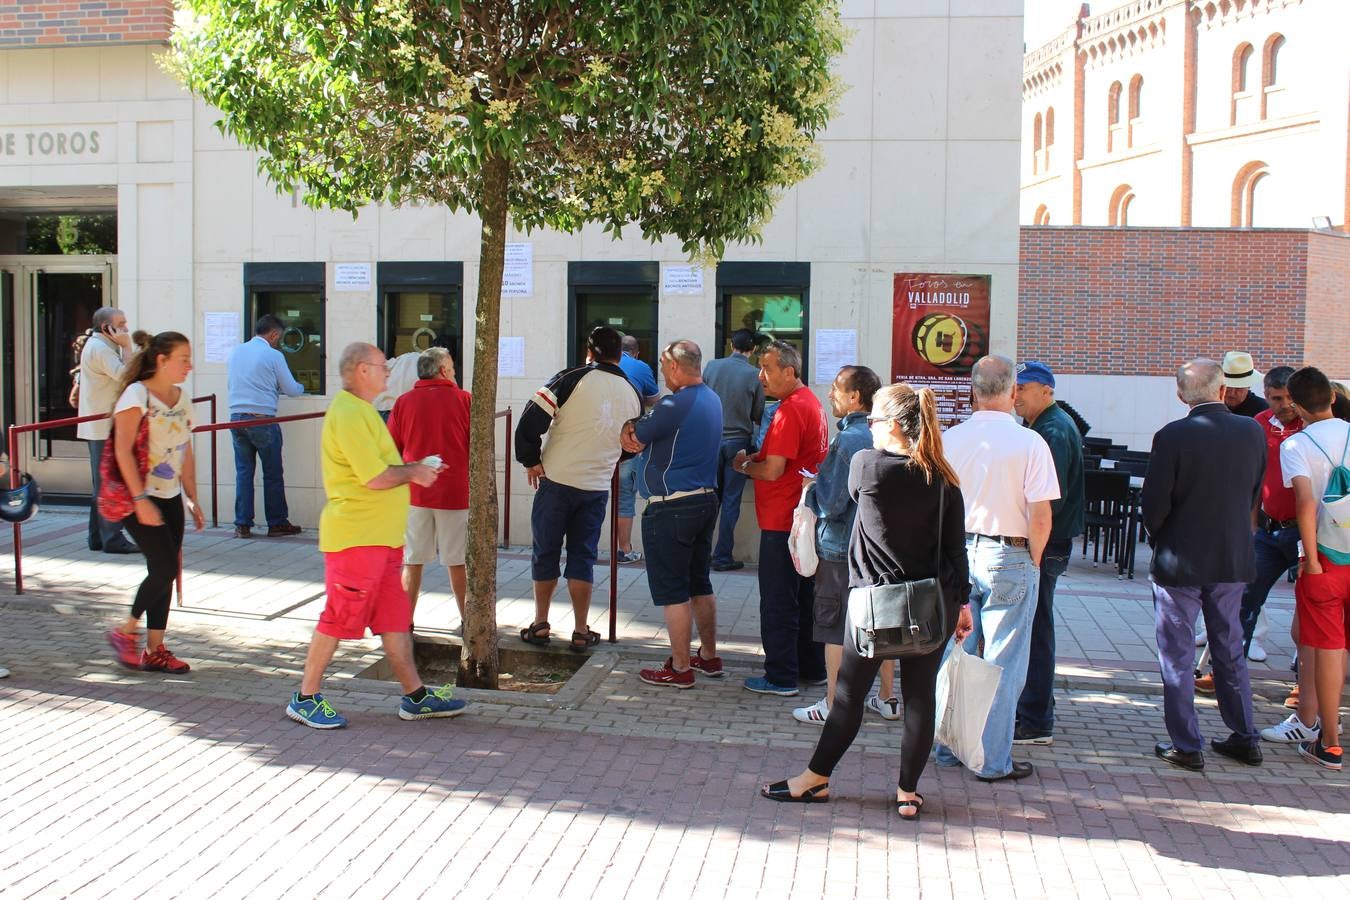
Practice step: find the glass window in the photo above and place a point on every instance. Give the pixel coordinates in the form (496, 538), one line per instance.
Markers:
(416, 319)
(773, 316)
(632, 312)
(301, 315)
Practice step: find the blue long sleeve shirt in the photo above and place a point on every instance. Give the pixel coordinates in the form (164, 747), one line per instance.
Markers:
(828, 498)
(256, 374)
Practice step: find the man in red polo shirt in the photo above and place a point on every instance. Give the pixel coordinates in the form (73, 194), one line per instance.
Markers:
(432, 419)
(798, 439)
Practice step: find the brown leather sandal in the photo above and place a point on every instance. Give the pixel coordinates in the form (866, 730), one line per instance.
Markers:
(532, 635)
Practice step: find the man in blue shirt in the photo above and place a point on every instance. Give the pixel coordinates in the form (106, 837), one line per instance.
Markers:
(644, 382)
(257, 373)
(681, 438)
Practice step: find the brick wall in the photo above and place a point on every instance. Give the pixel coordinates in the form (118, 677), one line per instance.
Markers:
(1138, 301)
(39, 23)
(1327, 333)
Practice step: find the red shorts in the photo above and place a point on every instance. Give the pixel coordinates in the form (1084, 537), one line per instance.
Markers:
(1323, 606)
(365, 590)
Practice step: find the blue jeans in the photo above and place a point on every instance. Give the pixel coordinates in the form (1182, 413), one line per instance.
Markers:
(1275, 553)
(1036, 709)
(250, 445)
(103, 535)
(786, 616)
(1003, 601)
(730, 487)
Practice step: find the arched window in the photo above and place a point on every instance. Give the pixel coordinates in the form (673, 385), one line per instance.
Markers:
(1245, 195)
(1036, 144)
(1119, 212)
(1049, 134)
(1244, 58)
(1270, 70)
(1042, 216)
(1136, 92)
(1112, 116)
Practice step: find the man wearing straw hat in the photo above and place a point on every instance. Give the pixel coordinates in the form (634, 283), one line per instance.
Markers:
(1239, 376)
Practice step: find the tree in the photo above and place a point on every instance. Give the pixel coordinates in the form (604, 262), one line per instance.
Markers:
(685, 118)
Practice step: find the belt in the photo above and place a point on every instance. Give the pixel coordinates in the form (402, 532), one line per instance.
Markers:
(1273, 525)
(258, 415)
(678, 495)
(998, 539)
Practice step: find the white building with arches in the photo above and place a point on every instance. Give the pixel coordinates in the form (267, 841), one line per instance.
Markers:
(1206, 113)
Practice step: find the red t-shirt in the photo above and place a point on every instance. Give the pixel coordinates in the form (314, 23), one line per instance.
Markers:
(1276, 500)
(433, 418)
(800, 432)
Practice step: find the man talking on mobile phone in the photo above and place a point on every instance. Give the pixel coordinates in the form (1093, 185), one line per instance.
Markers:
(101, 362)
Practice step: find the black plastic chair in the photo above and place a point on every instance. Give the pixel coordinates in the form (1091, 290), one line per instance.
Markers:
(1108, 520)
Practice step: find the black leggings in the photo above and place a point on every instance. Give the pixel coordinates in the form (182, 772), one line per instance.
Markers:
(918, 689)
(161, 545)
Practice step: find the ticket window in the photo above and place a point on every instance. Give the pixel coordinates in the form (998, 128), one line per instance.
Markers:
(769, 315)
(421, 305)
(301, 315)
(631, 311)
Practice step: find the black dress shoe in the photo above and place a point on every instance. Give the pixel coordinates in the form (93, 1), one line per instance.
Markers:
(283, 530)
(1240, 749)
(1193, 762)
(243, 531)
(1019, 771)
(728, 566)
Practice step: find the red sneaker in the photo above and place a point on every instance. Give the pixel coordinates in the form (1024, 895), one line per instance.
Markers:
(163, 660)
(711, 667)
(667, 675)
(126, 649)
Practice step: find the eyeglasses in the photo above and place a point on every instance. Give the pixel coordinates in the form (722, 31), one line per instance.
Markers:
(872, 420)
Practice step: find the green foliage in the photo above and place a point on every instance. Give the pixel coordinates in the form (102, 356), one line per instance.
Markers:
(686, 117)
(58, 234)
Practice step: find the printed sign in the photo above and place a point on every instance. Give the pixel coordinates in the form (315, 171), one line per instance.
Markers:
(222, 330)
(351, 276)
(510, 357)
(940, 327)
(518, 271)
(682, 280)
(835, 348)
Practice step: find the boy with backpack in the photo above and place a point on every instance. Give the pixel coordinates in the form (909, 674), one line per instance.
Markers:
(1314, 463)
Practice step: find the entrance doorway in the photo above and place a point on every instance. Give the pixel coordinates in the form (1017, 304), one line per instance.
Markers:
(48, 301)
(622, 295)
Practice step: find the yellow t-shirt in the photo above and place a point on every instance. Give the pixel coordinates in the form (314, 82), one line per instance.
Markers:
(356, 448)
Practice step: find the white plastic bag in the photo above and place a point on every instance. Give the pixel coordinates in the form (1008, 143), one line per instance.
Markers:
(802, 538)
(966, 686)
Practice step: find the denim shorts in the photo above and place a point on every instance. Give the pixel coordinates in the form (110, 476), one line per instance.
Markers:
(628, 474)
(678, 535)
(562, 513)
(831, 601)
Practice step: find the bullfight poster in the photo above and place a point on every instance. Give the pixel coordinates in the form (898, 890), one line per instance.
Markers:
(940, 328)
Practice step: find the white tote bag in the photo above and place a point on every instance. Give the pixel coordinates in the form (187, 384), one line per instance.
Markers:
(966, 686)
(802, 538)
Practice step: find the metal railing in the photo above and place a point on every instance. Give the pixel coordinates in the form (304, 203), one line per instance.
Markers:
(506, 480)
(16, 430)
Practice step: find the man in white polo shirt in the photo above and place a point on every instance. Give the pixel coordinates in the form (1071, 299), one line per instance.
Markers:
(1008, 480)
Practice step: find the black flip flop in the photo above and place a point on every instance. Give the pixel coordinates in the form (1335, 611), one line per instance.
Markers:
(902, 805)
(780, 791)
(531, 635)
(583, 641)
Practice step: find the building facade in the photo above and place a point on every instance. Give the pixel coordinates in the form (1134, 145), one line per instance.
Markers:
(116, 188)
(1207, 113)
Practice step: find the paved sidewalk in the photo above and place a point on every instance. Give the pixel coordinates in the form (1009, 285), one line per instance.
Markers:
(121, 783)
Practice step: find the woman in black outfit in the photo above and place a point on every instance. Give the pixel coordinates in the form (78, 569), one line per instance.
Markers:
(895, 538)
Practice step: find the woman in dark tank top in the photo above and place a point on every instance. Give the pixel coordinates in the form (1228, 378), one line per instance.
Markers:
(895, 538)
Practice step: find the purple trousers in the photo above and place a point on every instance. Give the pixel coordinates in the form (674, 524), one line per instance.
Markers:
(1174, 611)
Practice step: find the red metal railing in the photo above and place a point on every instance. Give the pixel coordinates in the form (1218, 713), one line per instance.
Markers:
(16, 430)
(614, 556)
(506, 480)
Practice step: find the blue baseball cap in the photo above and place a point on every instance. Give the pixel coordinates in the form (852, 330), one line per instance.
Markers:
(1033, 372)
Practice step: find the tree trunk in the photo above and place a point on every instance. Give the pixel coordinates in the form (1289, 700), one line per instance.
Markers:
(478, 662)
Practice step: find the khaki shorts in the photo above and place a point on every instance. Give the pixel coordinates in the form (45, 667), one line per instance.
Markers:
(433, 531)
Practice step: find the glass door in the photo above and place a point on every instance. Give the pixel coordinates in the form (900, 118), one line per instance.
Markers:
(630, 311)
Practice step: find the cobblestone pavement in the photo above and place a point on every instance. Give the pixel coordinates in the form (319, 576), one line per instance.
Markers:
(115, 783)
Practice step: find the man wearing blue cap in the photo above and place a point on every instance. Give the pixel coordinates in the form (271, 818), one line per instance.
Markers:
(1035, 403)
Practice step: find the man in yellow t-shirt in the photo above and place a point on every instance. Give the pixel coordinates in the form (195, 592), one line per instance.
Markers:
(361, 537)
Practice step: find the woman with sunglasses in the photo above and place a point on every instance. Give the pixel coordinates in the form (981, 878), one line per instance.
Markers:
(897, 486)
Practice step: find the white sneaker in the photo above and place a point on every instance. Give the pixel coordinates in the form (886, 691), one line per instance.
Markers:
(887, 709)
(4, 673)
(1256, 653)
(1201, 639)
(1292, 731)
(815, 714)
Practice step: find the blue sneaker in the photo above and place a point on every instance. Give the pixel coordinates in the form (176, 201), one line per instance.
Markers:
(316, 713)
(761, 685)
(435, 705)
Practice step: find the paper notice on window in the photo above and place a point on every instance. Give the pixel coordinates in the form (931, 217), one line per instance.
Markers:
(682, 280)
(510, 357)
(518, 271)
(223, 332)
(835, 348)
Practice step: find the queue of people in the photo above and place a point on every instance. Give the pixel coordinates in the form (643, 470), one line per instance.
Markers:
(989, 510)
